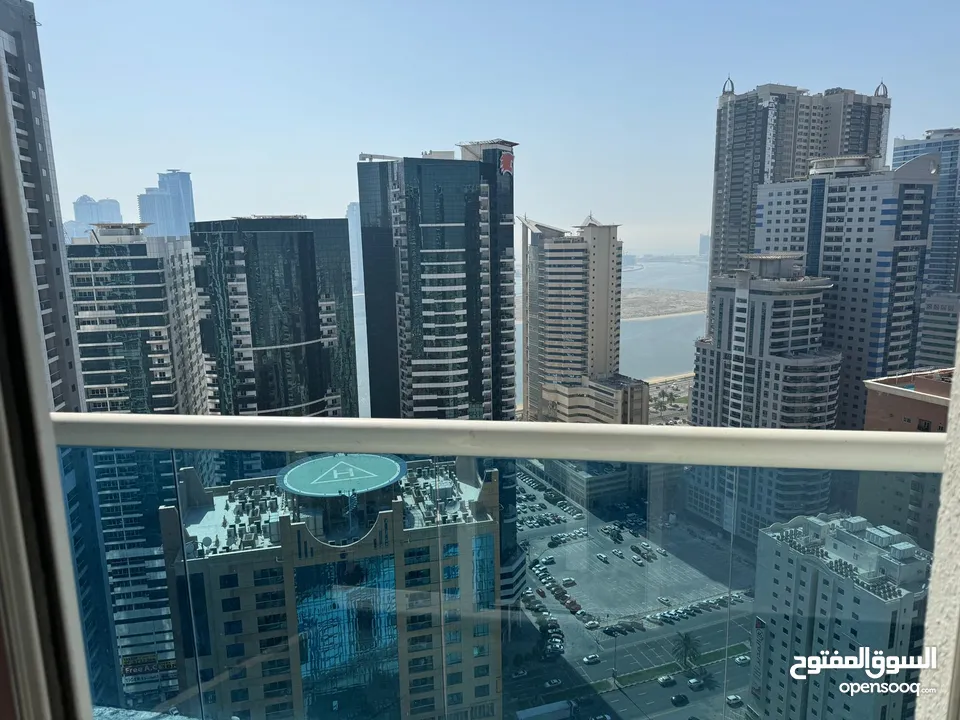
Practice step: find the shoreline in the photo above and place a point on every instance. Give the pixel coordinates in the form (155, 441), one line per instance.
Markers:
(667, 315)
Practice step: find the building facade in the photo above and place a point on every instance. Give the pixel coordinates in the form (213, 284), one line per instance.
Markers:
(137, 315)
(356, 246)
(371, 593)
(137, 319)
(276, 316)
(907, 502)
(571, 309)
(437, 234)
(27, 107)
(88, 212)
(764, 366)
(834, 584)
(168, 208)
(867, 230)
(937, 342)
(612, 400)
(769, 135)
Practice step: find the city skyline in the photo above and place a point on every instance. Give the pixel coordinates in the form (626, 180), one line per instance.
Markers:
(235, 163)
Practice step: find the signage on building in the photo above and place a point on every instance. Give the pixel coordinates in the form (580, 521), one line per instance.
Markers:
(759, 635)
(506, 163)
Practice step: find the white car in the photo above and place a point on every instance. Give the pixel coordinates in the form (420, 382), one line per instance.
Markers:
(694, 683)
(519, 674)
(552, 683)
(638, 560)
(568, 582)
(645, 546)
(661, 551)
(618, 553)
(548, 560)
(663, 600)
(591, 660)
(602, 558)
(742, 659)
(666, 680)
(592, 625)
(734, 700)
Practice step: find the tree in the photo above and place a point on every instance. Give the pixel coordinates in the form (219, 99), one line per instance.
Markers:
(686, 650)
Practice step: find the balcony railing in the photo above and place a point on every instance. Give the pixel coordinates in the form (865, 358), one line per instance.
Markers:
(376, 540)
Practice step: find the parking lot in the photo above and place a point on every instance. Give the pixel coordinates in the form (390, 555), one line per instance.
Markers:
(696, 567)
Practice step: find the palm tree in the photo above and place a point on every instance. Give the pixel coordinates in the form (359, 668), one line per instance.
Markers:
(686, 650)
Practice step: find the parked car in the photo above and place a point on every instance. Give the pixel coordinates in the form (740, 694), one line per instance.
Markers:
(636, 548)
(552, 683)
(592, 625)
(591, 659)
(666, 680)
(541, 592)
(664, 600)
(742, 659)
(548, 560)
(618, 553)
(734, 700)
(661, 551)
(638, 560)
(645, 545)
(602, 558)
(518, 674)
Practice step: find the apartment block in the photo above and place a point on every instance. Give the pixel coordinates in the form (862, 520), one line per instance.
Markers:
(834, 584)
(868, 230)
(907, 502)
(770, 134)
(353, 585)
(571, 311)
(763, 366)
(438, 262)
(22, 72)
(138, 338)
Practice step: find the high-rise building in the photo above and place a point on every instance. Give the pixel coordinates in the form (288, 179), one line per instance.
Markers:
(764, 366)
(942, 271)
(356, 247)
(438, 261)
(355, 586)
(907, 502)
(137, 315)
(834, 584)
(571, 311)
(868, 230)
(137, 321)
(82, 502)
(769, 135)
(937, 341)
(22, 69)
(276, 321)
(168, 208)
(88, 212)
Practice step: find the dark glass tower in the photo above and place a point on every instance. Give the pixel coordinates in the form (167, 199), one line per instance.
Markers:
(437, 236)
(276, 316)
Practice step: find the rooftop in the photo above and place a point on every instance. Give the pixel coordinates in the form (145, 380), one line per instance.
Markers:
(932, 386)
(881, 560)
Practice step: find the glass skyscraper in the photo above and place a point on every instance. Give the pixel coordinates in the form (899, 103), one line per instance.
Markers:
(438, 259)
(276, 316)
(168, 208)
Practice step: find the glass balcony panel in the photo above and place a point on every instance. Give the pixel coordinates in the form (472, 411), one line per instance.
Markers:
(378, 585)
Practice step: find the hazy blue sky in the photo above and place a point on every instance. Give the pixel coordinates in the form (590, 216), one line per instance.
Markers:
(613, 102)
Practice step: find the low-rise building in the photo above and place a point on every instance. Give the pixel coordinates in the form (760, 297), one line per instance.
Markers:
(354, 586)
(612, 400)
(587, 484)
(908, 502)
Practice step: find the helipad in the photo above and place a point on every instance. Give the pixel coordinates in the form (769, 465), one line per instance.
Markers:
(324, 476)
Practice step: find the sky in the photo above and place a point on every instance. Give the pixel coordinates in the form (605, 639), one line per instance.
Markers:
(613, 102)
